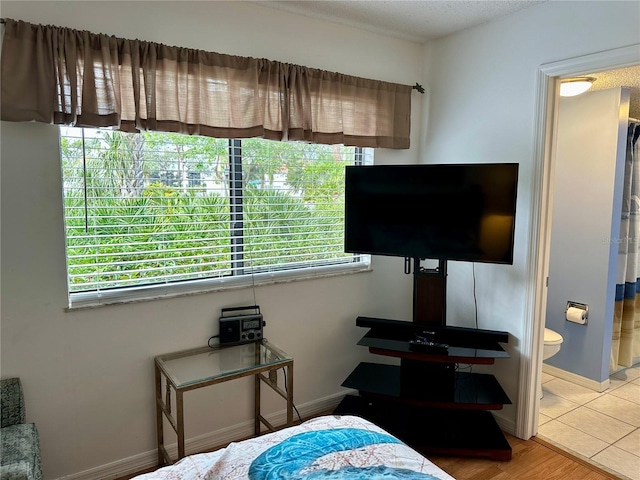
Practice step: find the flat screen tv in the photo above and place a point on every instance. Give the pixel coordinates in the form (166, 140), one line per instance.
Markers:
(460, 212)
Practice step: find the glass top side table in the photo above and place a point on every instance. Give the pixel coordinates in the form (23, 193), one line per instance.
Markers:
(200, 367)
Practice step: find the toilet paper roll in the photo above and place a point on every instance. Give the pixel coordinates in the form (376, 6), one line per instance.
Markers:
(577, 315)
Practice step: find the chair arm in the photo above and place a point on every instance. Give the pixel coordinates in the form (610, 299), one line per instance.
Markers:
(11, 402)
(15, 471)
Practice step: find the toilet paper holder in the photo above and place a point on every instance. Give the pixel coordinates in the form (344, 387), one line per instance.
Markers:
(580, 306)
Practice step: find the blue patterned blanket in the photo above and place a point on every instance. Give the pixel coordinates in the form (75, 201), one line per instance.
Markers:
(330, 447)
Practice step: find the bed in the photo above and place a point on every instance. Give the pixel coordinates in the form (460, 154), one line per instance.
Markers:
(329, 447)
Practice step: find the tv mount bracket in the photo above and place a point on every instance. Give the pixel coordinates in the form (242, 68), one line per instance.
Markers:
(440, 270)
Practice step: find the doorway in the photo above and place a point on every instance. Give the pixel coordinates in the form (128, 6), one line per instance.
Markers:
(547, 117)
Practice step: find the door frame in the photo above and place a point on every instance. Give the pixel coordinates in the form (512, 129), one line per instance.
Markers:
(546, 119)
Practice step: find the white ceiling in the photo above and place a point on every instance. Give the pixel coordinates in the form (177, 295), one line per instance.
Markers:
(418, 20)
(622, 77)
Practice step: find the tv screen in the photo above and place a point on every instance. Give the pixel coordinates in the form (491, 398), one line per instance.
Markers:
(447, 211)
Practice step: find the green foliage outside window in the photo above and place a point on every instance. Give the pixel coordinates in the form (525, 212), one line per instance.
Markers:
(152, 208)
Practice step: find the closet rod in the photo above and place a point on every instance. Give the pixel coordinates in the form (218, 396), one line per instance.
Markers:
(634, 120)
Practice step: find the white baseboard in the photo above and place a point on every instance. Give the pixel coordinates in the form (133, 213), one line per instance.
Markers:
(208, 441)
(574, 378)
(505, 424)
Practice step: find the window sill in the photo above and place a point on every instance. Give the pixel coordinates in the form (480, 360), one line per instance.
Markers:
(163, 292)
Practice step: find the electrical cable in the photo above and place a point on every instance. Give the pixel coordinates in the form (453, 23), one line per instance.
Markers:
(286, 390)
(84, 178)
(475, 298)
(459, 368)
(253, 283)
(253, 279)
(475, 302)
(284, 371)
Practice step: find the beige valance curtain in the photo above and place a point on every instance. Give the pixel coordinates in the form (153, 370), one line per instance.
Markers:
(64, 76)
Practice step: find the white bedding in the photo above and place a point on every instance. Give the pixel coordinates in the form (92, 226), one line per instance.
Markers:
(329, 447)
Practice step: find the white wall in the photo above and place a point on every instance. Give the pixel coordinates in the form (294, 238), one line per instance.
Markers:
(88, 374)
(482, 107)
(587, 200)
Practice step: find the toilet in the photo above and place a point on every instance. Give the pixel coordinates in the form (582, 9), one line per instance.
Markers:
(552, 343)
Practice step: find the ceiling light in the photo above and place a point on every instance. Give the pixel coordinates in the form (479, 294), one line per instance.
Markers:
(570, 87)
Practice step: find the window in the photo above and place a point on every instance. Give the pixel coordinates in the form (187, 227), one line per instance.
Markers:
(152, 214)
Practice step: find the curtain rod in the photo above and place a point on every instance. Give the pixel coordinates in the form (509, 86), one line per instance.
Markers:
(417, 86)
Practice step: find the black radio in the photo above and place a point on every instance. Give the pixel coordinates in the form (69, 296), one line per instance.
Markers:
(243, 328)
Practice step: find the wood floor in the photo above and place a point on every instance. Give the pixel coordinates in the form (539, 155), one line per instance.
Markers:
(531, 460)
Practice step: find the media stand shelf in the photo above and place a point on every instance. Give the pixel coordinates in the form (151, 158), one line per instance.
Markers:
(396, 344)
(428, 401)
(468, 391)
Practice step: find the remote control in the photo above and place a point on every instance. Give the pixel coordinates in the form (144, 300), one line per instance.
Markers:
(427, 346)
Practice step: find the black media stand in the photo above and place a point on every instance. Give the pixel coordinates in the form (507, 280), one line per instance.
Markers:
(426, 401)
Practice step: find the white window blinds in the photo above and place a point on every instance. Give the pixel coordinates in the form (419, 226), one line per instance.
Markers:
(152, 214)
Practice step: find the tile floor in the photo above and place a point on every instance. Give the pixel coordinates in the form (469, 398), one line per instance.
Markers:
(602, 427)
